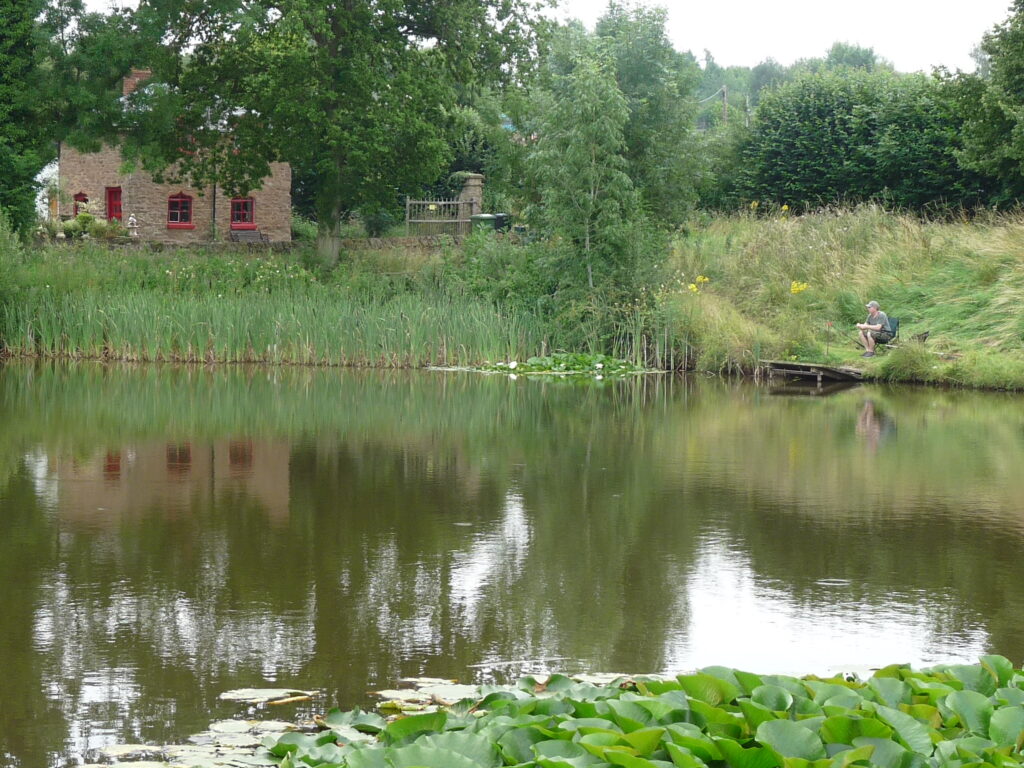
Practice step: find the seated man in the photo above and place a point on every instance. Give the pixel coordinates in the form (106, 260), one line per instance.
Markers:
(875, 329)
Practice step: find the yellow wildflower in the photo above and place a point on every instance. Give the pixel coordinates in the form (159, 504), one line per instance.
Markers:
(796, 287)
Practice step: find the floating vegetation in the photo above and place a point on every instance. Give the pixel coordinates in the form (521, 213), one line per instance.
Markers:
(267, 695)
(227, 744)
(568, 363)
(952, 716)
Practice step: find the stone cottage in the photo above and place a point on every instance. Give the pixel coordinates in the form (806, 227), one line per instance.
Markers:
(171, 213)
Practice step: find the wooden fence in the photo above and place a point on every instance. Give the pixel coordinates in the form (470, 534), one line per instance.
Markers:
(439, 217)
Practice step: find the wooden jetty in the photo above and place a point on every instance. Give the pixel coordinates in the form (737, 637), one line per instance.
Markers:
(812, 370)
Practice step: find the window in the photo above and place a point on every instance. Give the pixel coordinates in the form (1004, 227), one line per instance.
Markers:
(179, 212)
(81, 200)
(243, 213)
(113, 203)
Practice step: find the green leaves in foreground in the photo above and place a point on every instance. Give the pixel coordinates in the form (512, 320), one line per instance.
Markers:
(961, 716)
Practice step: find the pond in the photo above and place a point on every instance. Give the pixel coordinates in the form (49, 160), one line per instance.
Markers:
(167, 534)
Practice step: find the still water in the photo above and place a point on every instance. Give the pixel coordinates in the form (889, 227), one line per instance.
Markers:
(169, 534)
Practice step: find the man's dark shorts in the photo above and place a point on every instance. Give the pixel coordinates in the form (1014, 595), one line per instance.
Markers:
(882, 337)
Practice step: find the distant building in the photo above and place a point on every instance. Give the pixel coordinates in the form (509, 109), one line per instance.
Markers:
(170, 213)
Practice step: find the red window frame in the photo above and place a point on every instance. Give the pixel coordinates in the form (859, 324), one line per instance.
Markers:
(243, 213)
(113, 203)
(80, 199)
(179, 212)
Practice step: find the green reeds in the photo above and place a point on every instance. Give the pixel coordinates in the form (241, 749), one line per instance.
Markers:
(315, 325)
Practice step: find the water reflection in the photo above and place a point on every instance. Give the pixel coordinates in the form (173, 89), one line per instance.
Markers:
(168, 534)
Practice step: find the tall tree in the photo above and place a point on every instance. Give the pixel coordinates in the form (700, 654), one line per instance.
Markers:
(992, 104)
(658, 83)
(22, 148)
(352, 92)
(578, 164)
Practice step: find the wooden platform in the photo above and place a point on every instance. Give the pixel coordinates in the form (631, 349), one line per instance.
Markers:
(812, 370)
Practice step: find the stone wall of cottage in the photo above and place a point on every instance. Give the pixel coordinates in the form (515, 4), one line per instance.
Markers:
(92, 173)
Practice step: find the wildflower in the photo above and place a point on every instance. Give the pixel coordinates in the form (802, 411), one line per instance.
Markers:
(513, 365)
(693, 288)
(599, 366)
(785, 208)
(701, 279)
(796, 287)
(753, 205)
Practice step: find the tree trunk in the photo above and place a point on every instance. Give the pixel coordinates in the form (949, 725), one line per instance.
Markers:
(328, 237)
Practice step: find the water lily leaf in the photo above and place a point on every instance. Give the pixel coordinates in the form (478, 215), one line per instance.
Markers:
(974, 677)
(822, 691)
(690, 737)
(450, 692)
(367, 722)
(909, 731)
(755, 713)
(291, 742)
(748, 682)
(773, 697)
(231, 726)
(517, 743)
(262, 695)
(474, 746)
(887, 754)
(667, 707)
(629, 716)
(645, 740)
(999, 667)
(791, 684)
(925, 714)
(424, 756)
(752, 757)
(682, 757)
(406, 727)
(722, 673)
(630, 761)
(1006, 726)
(596, 742)
(552, 754)
(890, 691)
(846, 757)
(1010, 696)
(973, 709)
(790, 739)
(658, 687)
(933, 689)
(716, 721)
(709, 689)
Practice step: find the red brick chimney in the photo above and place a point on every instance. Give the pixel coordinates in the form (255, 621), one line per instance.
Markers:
(134, 79)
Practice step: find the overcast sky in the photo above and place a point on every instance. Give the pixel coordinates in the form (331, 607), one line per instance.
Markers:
(912, 34)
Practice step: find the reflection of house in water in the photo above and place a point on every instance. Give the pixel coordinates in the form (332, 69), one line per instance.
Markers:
(171, 477)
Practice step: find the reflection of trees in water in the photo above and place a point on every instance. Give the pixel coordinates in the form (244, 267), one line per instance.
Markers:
(434, 523)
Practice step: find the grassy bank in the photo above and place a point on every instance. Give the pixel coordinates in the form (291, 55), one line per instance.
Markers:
(720, 296)
(796, 287)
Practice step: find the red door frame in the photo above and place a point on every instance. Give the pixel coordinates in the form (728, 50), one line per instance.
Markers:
(113, 204)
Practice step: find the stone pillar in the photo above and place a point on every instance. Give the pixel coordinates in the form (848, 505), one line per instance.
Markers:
(472, 195)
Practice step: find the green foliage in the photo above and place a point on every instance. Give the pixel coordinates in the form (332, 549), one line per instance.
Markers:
(990, 103)
(349, 97)
(568, 363)
(657, 82)
(578, 166)
(810, 722)
(22, 147)
(851, 135)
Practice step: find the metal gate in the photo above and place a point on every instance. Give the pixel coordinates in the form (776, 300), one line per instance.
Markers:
(439, 217)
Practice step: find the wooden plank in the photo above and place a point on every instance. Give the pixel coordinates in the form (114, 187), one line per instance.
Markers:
(835, 373)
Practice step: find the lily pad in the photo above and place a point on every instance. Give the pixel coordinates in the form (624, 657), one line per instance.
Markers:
(237, 740)
(450, 692)
(262, 695)
(407, 694)
(130, 752)
(232, 726)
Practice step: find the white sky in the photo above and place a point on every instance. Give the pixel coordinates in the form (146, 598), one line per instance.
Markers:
(912, 34)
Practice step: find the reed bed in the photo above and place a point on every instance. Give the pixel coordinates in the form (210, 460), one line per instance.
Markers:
(315, 326)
